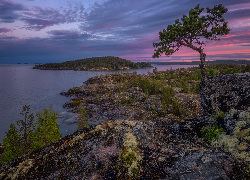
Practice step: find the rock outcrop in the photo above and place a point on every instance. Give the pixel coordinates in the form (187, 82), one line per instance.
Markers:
(136, 144)
(125, 149)
(229, 91)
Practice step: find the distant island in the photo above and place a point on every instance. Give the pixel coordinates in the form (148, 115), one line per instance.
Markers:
(207, 62)
(94, 64)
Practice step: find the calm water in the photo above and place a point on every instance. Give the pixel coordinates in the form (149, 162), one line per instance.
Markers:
(21, 85)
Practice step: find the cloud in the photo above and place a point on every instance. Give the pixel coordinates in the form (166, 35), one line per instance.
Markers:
(9, 11)
(115, 27)
(133, 20)
(127, 18)
(69, 35)
(39, 18)
(5, 30)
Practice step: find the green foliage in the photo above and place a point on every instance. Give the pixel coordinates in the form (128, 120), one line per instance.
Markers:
(152, 87)
(159, 77)
(12, 144)
(192, 27)
(211, 133)
(144, 83)
(231, 71)
(167, 94)
(30, 135)
(196, 89)
(185, 86)
(26, 128)
(179, 109)
(218, 118)
(47, 128)
(211, 72)
(83, 119)
(129, 101)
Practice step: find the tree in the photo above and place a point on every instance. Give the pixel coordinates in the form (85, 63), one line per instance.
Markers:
(82, 118)
(18, 142)
(47, 128)
(26, 129)
(12, 145)
(184, 34)
(30, 135)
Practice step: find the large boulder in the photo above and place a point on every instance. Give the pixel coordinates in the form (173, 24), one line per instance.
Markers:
(227, 91)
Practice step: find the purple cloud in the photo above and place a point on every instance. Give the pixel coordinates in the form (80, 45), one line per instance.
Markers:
(8, 11)
(62, 33)
(118, 28)
(40, 18)
(69, 35)
(5, 30)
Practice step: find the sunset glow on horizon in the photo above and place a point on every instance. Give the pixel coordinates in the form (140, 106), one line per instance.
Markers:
(34, 31)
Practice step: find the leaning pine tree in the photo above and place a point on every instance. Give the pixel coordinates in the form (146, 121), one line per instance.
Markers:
(184, 34)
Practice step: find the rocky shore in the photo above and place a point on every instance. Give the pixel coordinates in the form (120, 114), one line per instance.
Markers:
(139, 137)
(104, 97)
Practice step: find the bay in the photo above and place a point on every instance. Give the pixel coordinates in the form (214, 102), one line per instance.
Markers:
(21, 85)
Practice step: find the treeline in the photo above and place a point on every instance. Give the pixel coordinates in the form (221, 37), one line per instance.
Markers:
(94, 63)
(234, 62)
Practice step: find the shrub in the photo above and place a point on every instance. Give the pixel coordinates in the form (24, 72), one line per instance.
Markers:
(211, 133)
(83, 119)
(211, 72)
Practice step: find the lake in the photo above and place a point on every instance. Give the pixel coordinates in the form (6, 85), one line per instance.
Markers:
(21, 85)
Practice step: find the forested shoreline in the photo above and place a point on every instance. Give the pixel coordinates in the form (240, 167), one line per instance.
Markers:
(94, 64)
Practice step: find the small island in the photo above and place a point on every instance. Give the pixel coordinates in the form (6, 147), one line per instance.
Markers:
(94, 64)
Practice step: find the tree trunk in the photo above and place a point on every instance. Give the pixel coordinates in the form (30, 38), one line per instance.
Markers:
(205, 101)
(25, 133)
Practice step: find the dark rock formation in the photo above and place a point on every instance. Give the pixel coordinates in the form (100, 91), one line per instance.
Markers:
(228, 91)
(95, 153)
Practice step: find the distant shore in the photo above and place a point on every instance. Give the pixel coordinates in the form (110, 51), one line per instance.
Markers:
(236, 62)
(106, 63)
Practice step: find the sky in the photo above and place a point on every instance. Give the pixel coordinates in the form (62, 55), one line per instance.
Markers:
(54, 31)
